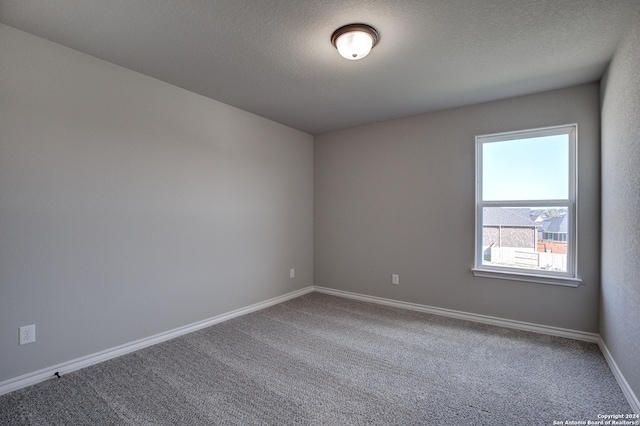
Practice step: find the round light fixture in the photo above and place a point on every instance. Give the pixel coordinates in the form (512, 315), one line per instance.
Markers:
(355, 41)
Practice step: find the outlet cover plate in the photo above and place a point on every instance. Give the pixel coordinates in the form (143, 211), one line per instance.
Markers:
(27, 334)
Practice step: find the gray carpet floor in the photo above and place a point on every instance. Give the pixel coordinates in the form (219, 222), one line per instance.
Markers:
(325, 360)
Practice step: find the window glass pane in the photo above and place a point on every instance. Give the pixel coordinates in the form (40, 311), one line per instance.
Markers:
(526, 169)
(533, 238)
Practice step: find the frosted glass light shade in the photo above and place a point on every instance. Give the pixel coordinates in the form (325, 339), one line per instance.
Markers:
(355, 41)
(354, 45)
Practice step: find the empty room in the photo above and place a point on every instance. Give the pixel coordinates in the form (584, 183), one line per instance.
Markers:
(320, 212)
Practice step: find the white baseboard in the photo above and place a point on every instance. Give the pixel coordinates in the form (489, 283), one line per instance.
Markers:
(485, 319)
(76, 364)
(624, 385)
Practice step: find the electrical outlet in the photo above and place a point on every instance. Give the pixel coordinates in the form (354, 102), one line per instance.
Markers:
(27, 334)
(395, 279)
(292, 273)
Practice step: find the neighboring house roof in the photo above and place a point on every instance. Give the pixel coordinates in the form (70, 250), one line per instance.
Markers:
(537, 215)
(555, 224)
(508, 216)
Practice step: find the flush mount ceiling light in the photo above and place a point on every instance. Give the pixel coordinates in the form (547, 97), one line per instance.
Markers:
(355, 41)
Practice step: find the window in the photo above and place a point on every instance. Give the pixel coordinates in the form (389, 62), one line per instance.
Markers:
(526, 206)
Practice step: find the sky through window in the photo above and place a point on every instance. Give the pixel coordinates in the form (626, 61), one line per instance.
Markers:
(531, 169)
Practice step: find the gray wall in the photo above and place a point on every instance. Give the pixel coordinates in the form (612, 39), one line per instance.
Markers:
(130, 207)
(398, 197)
(620, 307)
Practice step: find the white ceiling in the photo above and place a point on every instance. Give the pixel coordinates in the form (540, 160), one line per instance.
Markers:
(274, 57)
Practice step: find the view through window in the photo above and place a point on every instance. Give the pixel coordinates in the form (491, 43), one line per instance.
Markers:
(525, 210)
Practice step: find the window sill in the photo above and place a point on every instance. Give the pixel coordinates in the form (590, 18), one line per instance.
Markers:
(533, 278)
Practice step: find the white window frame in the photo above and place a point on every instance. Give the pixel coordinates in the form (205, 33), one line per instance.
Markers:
(568, 278)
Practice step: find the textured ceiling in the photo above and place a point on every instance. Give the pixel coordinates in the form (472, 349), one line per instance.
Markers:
(274, 57)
